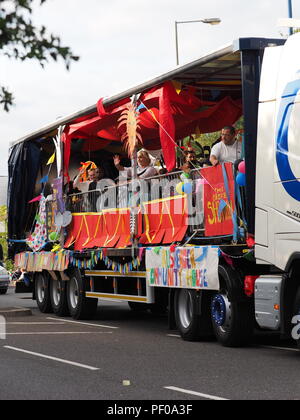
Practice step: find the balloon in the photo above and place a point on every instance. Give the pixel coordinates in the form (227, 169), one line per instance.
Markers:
(236, 164)
(179, 188)
(54, 236)
(241, 179)
(242, 167)
(67, 218)
(187, 188)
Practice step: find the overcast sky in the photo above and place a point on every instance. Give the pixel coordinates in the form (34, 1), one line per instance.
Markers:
(121, 43)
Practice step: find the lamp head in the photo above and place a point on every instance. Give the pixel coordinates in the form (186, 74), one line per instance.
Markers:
(212, 21)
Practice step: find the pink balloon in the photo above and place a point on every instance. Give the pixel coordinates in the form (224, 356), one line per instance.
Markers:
(242, 167)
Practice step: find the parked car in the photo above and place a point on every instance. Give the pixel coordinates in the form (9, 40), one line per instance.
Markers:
(4, 280)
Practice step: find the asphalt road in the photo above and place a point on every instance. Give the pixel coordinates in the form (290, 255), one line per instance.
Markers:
(126, 356)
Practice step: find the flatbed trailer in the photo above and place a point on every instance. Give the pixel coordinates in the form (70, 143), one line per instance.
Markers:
(212, 265)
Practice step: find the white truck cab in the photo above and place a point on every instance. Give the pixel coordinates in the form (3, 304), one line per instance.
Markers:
(277, 230)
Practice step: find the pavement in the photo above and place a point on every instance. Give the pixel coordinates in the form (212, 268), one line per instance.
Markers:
(10, 304)
(13, 312)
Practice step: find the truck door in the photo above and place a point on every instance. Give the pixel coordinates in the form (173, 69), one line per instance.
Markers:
(287, 132)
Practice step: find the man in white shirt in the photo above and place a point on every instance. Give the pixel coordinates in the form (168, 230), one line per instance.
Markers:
(228, 149)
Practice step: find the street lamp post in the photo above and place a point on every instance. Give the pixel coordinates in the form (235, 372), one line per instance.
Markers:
(210, 21)
(290, 7)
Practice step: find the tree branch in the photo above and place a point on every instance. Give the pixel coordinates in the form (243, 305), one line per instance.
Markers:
(21, 40)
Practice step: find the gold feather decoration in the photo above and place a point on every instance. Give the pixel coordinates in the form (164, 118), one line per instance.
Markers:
(131, 137)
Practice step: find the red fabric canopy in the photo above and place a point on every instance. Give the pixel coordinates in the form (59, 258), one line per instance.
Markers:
(165, 118)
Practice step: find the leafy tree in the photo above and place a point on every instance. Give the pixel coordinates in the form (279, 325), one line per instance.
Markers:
(20, 39)
(3, 213)
(9, 265)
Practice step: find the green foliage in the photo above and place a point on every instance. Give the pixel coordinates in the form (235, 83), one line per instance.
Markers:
(3, 213)
(6, 98)
(208, 139)
(198, 141)
(9, 265)
(20, 39)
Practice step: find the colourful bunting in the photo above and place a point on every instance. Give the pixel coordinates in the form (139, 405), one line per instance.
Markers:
(59, 260)
(177, 86)
(44, 180)
(51, 160)
(36, 199)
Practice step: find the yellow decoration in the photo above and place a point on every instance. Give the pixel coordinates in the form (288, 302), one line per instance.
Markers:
(56, 248)
(51, 160)
(177, 86)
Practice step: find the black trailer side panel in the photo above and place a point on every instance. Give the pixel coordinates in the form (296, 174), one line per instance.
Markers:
(250, 77)
(23, 166)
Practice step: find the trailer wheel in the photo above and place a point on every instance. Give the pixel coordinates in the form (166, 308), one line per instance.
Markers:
(232, 318)
(296, 312)
(192, 314)
(80, 306)
(42, 292)
(58, 296)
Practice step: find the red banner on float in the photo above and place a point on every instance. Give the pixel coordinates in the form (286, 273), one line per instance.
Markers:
(218, 207)
(165, 220)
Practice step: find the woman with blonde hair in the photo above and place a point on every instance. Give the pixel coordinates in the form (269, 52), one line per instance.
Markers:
(145, 168)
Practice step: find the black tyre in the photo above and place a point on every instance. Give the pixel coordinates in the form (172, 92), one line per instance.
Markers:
(42, 292)
(232, 316)
(296, 319)
(80, 306)
(192, 314)
(3, 291)
(58, 296)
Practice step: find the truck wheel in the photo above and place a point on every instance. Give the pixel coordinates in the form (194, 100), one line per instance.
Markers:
(42, 292)
(3, 291)
(232, 318)
(80, 306)
(296, 312)
(191, 323)
(58, 296)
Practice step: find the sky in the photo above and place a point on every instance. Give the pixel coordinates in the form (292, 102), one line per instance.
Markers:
(121, 43)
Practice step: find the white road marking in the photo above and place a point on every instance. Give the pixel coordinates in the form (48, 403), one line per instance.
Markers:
(174, 335)
(68, 362)
(198, 394)
(58, 332)
(85, 323)
(280, 348)
(32, 323)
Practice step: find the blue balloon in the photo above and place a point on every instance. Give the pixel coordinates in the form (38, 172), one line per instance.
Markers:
(187, 188)
(241, 179)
